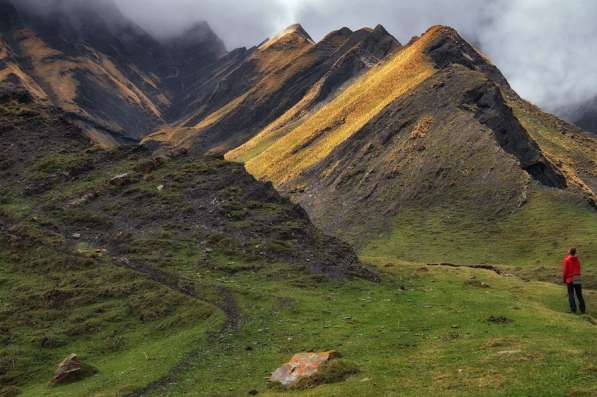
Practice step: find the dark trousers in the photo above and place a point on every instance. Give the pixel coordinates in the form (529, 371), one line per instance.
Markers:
(575, 289)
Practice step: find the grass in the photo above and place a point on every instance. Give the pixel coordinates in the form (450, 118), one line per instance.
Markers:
(415, 334)
(535, 236)
(54, 304)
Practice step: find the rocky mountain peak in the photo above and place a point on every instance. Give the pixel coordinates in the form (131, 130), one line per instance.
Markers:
(292, 37)
(444, 46)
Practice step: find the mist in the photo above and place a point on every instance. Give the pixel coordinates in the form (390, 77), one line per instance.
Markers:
(545, 48)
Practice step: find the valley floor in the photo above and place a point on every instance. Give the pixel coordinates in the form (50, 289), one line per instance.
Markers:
(423, 331)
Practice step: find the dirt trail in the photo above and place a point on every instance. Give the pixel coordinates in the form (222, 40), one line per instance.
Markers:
(226, 303)
(485, 267)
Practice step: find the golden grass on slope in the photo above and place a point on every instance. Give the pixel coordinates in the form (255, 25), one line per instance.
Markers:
(3, 50)
(177, 135)
(103, 140)
(313, 140)
(148, 79)
(276, 63)
(276, 129)
(173, 135)
(55, 69)
(280, 50)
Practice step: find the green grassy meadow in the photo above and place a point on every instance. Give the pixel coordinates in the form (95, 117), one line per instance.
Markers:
(422, 331)
(531, 241)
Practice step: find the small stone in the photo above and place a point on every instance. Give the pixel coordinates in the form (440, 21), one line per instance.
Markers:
(160, 188)
(76, 236)
(508, 352)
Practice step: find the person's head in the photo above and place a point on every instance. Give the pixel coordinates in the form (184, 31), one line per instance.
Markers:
(572, 251)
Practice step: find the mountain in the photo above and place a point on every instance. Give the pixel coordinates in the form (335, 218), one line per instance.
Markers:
(363, 132)
(435, 129)
(98, 66)
(271, 85)
(169, 270)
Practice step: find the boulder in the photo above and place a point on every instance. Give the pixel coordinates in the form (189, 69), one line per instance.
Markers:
(301, 365)
(68, 370)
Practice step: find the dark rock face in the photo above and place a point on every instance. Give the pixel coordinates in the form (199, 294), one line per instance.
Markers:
(491, 110)
(449, 48)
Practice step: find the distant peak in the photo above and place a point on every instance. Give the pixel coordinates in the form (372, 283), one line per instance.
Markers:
(294, 33)
(380, 28)
(343, 33)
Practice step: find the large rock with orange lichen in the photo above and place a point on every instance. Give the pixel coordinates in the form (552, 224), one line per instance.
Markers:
(301, 365)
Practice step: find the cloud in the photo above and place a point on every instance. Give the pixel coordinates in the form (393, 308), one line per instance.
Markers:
(547, 49)
(238, 23)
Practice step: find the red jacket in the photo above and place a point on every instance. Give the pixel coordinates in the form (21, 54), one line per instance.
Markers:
(570, 268)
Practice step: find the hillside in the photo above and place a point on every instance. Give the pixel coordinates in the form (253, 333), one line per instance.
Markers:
(584, 115)
(431, 155)
(166, 273)
(117, 253)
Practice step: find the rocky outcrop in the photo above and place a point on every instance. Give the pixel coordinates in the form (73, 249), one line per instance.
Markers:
(68, 370)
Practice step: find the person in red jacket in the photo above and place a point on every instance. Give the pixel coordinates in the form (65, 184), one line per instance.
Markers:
(571, 276)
